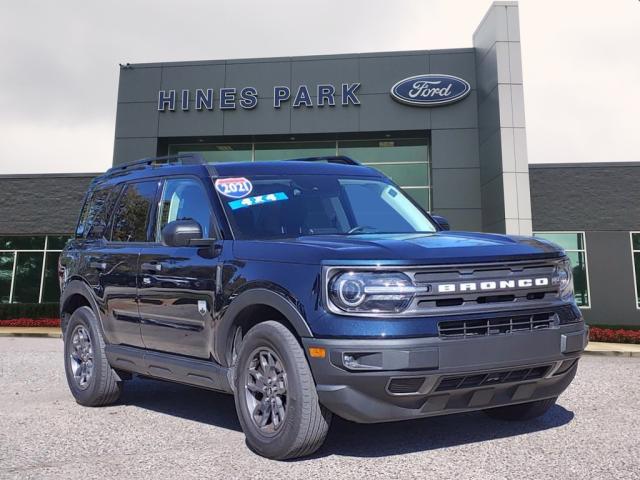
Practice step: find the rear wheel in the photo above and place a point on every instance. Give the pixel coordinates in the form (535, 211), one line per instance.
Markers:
(91, 379)
(522, 411)
(275, 397)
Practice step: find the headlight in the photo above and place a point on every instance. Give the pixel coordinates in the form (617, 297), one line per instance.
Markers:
(374, 292)
(563, 279)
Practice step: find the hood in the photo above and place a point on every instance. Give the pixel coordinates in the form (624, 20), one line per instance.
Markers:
(426, 249)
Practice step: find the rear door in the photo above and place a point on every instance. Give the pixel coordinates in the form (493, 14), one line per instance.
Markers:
(177, 284)
(117, 260)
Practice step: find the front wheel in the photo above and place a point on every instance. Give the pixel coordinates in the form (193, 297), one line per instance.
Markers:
(91, 379)
(522, 411)
(275, 396)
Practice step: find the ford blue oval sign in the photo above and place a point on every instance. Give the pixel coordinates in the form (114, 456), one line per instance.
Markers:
(430, 90)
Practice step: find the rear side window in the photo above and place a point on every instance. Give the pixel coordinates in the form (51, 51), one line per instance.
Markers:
(131, 218)
(96, 212)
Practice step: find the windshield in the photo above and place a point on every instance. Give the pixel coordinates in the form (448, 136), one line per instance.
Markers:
(284, 207)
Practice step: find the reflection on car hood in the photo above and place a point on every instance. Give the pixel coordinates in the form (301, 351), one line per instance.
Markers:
(423, 248)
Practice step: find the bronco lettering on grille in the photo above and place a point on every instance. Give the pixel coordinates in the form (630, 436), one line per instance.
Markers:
(493, 285)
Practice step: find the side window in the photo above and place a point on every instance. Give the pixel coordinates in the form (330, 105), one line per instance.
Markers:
(184, 198)
(132, 214)
(96, 212)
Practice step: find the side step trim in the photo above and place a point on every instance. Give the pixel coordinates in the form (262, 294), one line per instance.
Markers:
(166, 366)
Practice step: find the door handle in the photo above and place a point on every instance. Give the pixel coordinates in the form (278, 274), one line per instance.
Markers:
(151, 267)
(98, 265)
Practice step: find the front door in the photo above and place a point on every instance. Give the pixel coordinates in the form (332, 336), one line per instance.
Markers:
(176, 288)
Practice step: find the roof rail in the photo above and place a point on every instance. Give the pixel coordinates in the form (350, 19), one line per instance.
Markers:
(342, 159)
(181, 158)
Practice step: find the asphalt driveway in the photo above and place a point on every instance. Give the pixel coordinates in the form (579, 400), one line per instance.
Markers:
(161, 430)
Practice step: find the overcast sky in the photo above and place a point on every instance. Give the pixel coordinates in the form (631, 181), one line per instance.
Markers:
(59, 64)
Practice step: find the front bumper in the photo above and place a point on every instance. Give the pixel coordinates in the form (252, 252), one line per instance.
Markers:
(396, 379)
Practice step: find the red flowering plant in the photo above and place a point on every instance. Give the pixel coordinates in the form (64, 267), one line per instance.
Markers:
(618, 335)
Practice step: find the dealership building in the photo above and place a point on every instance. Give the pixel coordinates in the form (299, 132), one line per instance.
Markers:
(446, 125)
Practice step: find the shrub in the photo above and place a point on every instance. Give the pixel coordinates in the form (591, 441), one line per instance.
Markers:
(597, 334)
(9, 311)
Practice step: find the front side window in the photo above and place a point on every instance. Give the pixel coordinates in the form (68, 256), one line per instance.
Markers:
(573, 244)
(635, 249)
(132, 214)
(184, 199)
(298, 205)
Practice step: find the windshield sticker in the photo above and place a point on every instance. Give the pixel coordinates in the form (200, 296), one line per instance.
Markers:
(234, 187)
(258, 200)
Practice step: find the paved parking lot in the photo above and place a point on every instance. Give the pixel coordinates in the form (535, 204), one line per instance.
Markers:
(160, 430)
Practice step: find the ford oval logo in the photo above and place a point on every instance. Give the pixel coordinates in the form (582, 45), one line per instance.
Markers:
(430, 90)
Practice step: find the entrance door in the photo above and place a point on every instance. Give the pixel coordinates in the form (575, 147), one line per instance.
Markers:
(177, 284)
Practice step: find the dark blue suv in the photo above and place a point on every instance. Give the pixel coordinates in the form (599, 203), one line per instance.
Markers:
(308, 288)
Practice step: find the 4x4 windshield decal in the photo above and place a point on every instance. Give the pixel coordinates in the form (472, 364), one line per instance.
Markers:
(258, 200)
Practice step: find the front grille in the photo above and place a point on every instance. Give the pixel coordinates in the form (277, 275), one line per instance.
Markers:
(496, 326)
(491, 378)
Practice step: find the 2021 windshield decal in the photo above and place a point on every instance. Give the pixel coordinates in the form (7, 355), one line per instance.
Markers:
(234, 187)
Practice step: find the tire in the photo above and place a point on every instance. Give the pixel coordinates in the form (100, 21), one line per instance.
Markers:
(297, 424)
(522, 411)
(91, 379)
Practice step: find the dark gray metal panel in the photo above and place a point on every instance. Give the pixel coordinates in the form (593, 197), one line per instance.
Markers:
(38, 204)
(137, 120)
(335, 71)
(264, 119)
(610, 268)
(379, 74)
(139, 84)
(585, 197)
(199, 76)
(191, 123)
(462, 114)
(469, 219)
(461, 65)
(261, 75)
(455, 148)
(128, 149)
(380, 112)
(456, 188)
(325, 119)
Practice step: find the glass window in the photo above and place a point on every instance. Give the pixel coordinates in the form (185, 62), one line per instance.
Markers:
(574, 245)
(6, 273)
(132, 215)
(299, 205)
(184, 198)
(635, 249)
(51, 285)
(229, 152)
(33, 267)
(98, 212)
(22, 242)
(284, 151)
(28, 274)
(385, 151)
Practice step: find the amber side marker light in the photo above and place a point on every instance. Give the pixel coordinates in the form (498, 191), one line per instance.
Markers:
(317, 352)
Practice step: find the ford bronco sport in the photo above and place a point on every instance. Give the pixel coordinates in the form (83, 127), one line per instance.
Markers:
(309, 288)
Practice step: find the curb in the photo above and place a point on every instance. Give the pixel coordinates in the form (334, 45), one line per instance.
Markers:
(611, 353)
(31, 335)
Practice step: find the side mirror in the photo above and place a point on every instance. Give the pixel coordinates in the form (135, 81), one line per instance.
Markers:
(179, 233)
(442, 222)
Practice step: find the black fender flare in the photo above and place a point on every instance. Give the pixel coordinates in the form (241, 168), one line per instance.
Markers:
(257, 296)
(79, 287)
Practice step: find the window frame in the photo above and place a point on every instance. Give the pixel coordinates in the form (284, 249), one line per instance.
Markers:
(633, 266)
(214, 228)
(44, 250)
(584, 251)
